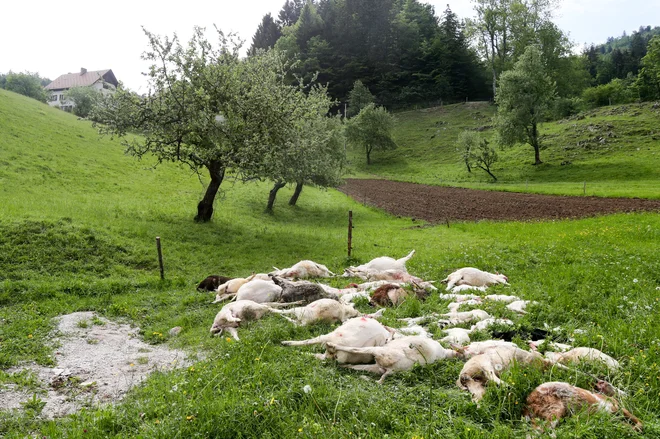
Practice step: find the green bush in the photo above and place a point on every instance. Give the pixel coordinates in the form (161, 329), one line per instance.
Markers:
(617, 91)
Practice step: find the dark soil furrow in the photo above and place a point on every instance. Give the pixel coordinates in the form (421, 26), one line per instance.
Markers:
(436, 203)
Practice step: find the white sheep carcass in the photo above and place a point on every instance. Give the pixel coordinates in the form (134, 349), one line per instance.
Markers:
(457, 318)
(322, 310)
(502, 298)
(479, 347)
(383, 263)
(398, 355)
(519, 306)
(488, 366)
(473, 277)
(356, 332)
(260, 291)
(232, 314)
(457, 336)
(577, 355)
(487, 323)
(303, 270)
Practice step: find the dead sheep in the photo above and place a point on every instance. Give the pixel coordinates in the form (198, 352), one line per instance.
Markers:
(260, 291)
(303, 270)
(388, 295)
(356, 332)
(577, 355)
(322, 310)
(398, 355)
(307, 292)
(457, 318)
(229, 289)
(212, 283)
(232, 314)
(555, 400)
(488, 366)
(474, 277)
(383, 263)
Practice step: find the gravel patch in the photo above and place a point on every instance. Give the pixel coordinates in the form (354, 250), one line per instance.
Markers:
(98, 361)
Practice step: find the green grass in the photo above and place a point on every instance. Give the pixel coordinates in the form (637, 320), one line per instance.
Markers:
(626, 164)
(78, 221)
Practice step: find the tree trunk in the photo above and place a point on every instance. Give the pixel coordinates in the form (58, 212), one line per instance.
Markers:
(205, 206)
(296, 194)
(535, 145)
(488, 171)
(273, 194)
(368, 156)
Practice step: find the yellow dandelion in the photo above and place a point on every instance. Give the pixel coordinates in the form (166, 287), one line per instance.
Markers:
(300, 430)
(257, 359)
(190, 418)
(228, 339)
(29, 335)
(156, 421)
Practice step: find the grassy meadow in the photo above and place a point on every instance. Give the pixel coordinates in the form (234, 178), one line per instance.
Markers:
(78, 220)
(602, 148)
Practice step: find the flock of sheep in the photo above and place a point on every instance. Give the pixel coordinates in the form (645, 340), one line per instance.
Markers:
(362, 343)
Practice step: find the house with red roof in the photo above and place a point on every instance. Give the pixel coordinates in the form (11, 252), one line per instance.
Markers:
(102, 80)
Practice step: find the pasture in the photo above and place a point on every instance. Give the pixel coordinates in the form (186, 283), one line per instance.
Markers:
(78, 221)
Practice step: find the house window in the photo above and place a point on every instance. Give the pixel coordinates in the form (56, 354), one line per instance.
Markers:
(62, 98)
(53, 98)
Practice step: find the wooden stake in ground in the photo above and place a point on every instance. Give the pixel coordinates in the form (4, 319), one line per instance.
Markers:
(350, 232)
(160, 258)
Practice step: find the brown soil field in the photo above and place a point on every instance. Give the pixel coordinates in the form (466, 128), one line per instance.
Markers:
(437, 204)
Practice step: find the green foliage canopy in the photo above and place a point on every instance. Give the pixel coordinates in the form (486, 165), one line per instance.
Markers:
(85, 99)
(27, 84)
(371, 129)
(523, 96)
(212, 111)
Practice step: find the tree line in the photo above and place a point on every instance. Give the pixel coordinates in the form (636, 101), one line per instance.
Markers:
(399, 49)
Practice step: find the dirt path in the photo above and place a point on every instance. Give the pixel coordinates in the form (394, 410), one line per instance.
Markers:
(436, 203)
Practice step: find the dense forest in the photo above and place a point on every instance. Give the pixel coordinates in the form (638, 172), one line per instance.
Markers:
(407, 54)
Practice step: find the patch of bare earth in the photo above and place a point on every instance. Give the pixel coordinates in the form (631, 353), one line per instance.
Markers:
(437, 204)
(98, 361)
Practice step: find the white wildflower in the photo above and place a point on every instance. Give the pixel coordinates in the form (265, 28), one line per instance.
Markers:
(307, 388)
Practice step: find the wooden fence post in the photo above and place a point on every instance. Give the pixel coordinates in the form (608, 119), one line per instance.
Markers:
(350, 232)
(160, 258)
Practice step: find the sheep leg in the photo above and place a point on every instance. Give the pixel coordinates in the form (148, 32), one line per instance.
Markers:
(316, 340)
(354, 350)
(224, 297)
(384, 375)
(281, 304)
(233, 332)
(373, 368)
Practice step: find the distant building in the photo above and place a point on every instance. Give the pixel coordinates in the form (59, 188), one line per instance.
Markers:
(102, 80)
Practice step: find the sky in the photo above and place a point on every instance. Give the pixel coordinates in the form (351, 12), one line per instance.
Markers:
(55, 38)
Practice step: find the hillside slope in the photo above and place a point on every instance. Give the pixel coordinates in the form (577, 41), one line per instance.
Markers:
(77, 226)
(614, 150)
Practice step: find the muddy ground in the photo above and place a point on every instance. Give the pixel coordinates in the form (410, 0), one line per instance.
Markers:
(438, 204)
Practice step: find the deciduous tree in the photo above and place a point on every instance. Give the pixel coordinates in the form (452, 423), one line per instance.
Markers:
(524, 94)
(209, 110)
(371, 129)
